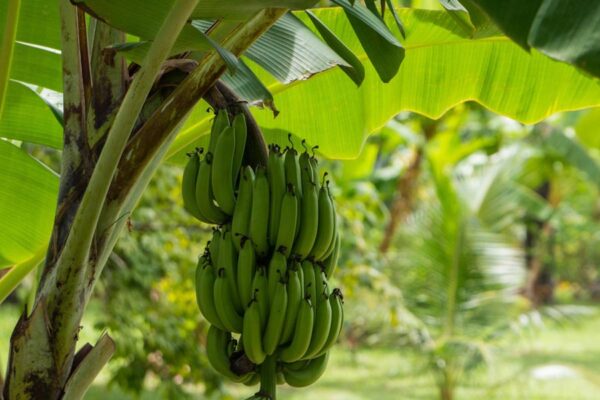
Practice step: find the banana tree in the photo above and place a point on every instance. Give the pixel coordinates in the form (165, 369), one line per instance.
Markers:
(118, 120)
(118, 86)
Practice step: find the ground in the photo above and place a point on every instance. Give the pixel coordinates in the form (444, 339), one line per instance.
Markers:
(554, 362)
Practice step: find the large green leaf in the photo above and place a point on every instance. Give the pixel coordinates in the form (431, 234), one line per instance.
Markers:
(442, 68)
(27, 201)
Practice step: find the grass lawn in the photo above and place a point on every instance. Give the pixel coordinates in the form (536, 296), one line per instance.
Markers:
(551, 363)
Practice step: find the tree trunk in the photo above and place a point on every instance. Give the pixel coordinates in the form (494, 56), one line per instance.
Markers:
(406, 187)
(446, 393)
(539, 286)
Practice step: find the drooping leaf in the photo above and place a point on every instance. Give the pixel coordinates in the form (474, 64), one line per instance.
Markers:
(382, 47)
(28, 194)
(514, 17)
(246, 84)
(569, 32)
(228, 57)
(457, 10)
(472, 18)
(399, 24)
(563, 30)
(355, 70)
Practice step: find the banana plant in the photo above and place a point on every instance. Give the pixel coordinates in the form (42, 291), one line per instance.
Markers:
(121, 106)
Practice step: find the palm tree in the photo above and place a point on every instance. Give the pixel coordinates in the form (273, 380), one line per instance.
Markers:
(459, 272)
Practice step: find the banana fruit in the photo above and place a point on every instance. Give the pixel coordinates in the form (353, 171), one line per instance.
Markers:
(265, 274)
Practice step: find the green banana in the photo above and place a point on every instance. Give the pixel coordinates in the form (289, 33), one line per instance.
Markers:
(259, 217)
(297, 365)
(220, 122)
(297, 266)
(309, 221)
(287, 219)
(292, 170)
(204, 193)
(188, 187)
(314, 163)
(205, 280)
(260, 289)
(337, 319)
(228, 261)
(222, 171)
(253, 380)
(252, 337)
(301, 339)
(246, 268)
(217, 345)
(276, 175)
(306, 173)
(276, 271)
(330, 262)
(240, 223)
(320, 284)
(213, 245)
(321, 328)
(295, 296)
(332, 245)
(276, 319)
(310, 285)
(239, 127)
(335, 231)
(232, 321)
(307, 375)
(325, 232)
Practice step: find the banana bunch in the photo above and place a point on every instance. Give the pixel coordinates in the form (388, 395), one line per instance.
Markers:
(263, 280)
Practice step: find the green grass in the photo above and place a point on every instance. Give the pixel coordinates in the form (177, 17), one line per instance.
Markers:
(386, 374)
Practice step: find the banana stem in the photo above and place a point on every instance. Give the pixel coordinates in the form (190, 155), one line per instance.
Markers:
(268, 378)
